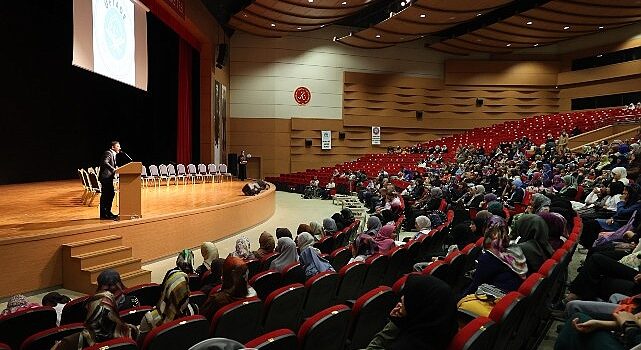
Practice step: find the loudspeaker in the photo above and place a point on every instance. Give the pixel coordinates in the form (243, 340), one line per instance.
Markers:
(308, 142)
(221, 58)
(232, 163)
(341, 135)
(419, 115)
(479, 102)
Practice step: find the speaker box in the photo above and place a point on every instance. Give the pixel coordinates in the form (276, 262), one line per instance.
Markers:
(308, 142)
(419, 115)
(221, 58)
(479, 102)
(341, 135)
(232, 163)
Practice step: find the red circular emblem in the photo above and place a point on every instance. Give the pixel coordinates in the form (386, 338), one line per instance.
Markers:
(302, 95)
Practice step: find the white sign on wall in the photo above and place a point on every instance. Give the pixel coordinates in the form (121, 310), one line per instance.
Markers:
(376, 135)
(326, 139)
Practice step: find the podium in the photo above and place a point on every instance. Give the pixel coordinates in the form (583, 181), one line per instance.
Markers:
(129, 190)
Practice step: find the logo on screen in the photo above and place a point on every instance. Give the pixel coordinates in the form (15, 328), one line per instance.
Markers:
(115, 34)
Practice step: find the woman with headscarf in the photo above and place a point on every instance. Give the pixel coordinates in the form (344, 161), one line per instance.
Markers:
(373, 226)
(348, 216)
(539, 203)
(235, 287)
(243, 249)
(603, 163)
(284, 232)
(173, 304)
(496, 208)
(305, 240)
(500, 265)
(109, 280)
(557, 228)
(363, 247)
(620, 174)
(338, 220)
(463, 234)
(184, 263)
(316, 230)
(102, 323)
(557, 182)
(518, 193)
(211, 269)
(385, 239)
(425, 318)
(489, 197)
(536, 180)
(267, 245)
(534, 234)
(477, 198)
(329, 227)
(569, 189)
(287, 254)
(18, 303)
(625, 208)
(313, 263)
(303, 228)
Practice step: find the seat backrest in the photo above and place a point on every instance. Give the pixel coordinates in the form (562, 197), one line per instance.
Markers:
(211, 168)
(266, 282)
(180, 333)
(283, 308)
(376, 268)
(4, 346)
(162, 169)
(399, 260)
(479, 334)
(340, 257)
(294, 273)
(180, 168)
(171, 170)
(202, 168)
(266, 261)
(321, 289)
(226, 320)
(438, 269)
(222, 168)
(369, 316)
(197, 297)
(47, 338)
(191, 169)
(279, 339)
(18, 326)
(134, 315)
(325, 330)
(153, 170)
(143, 171)
(508, 313)
(253, 267)
(115, 344)
(95, 184)
(351, 280)
(147, 294)
(74, 311)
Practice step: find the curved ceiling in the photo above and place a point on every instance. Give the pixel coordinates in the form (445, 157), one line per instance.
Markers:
(275, 18)
(418, 19)
(554, 21)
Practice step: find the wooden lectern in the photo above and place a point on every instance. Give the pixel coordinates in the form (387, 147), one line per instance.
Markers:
(129, 191)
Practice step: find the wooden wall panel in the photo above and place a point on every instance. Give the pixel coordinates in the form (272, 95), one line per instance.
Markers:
(599, 88)
(501, 73)
(619, 70)
(267, 138)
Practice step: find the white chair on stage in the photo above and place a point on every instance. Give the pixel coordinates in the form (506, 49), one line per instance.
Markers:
(85, 185)
(164, 174)
(222, 170)
(154, 175)
(171, 173)
(192, 173)
(213, 171)
(202, 170)
(181, 172)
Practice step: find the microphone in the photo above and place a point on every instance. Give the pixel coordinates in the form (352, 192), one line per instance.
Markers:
(125, 153)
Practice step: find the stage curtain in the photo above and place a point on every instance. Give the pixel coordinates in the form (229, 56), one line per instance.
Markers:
(184, 127)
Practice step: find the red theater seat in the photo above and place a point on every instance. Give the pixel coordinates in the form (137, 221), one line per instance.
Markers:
(134, 315)
(369, 316)
(340, 257)
(376, 268)
(280, 339)
(18, 326)
(479, 334)
(508, 313)
(293, 273)
(351, 280)
(47, 339)
(115, 344)
(226, 321)
(74, 311)
(321, 289)
(325, 330)
(147, 294)
(181, 333)
(266, 282)
(283, 308)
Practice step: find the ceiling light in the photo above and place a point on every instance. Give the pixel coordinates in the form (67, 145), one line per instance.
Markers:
(344, 3)
(599, 55)
(334, 39)
(529, 23)
(378, 35)
(479, 14)
(452, 17)
(601, 27)
(508, 45)
(322, 25)
(299, 28)
(423, 15)
(566, 27)
(273, 25)
(310, 0)
(535, 45)
(402, 3)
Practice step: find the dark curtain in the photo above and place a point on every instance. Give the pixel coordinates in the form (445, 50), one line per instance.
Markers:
(184, 127)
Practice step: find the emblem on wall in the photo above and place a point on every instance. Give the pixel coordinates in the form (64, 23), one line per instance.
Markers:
(302, 95)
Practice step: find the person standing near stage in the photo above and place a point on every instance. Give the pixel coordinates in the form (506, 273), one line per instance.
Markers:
(242, 166)
(106, 178)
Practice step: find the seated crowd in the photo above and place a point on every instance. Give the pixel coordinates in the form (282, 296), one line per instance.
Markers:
(520, 201)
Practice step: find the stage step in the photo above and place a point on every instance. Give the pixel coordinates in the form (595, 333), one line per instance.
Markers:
(84, 260)
(90, 245)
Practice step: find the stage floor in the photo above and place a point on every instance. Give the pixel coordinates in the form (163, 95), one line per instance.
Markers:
(55, 206)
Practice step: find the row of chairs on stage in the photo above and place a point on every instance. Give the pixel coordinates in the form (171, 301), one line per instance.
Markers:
(190, 173)
(91, 185)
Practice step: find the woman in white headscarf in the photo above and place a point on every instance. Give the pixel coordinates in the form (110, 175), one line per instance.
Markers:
(304, 241)
(620, 174)
(288, 255)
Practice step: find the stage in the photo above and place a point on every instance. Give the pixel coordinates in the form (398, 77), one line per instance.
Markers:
(37, 218)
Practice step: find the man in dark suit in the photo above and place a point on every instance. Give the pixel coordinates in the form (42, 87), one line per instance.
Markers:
(106, 177)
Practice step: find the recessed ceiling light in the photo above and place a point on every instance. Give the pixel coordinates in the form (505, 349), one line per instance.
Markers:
(535, 45)
(529, 23)
(334, 39)
(322, 25)
(479, 14)
(601, 27)
(310, 0)
(244, 15)
(378, 35)
(273, 25)
(299, 28)
(599, 55)
(566, 27)
(452, 17)
(344, 3)
(508, 45)
(402, 3)
(423, 15)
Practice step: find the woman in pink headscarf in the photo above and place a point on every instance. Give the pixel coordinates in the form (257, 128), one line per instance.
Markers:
(385, 239)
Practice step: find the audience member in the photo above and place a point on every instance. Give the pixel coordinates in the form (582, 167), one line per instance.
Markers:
(384, 239)
(287, 254)
(284, 232)
(210, 271)
(235, 287)
(533, 240)
(243, 249)
(267, 245)
(313, 263)
(57, 301)
(18, 303)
